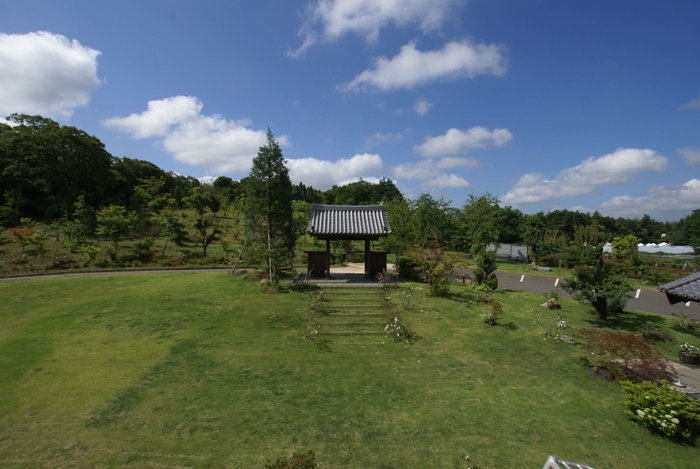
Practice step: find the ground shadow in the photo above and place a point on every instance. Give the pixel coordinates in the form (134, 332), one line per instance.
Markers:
(627, 321)
(511, 326)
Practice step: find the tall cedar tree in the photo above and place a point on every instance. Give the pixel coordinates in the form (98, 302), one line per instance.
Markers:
(268, 209)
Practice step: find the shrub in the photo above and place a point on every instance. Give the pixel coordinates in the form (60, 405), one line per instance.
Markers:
(685, 322)
(484, 274)
(410, 268)
(91, 252)
(496, 312)
(295, 461)
(630, 355)
(397, 330)
(652, 333)
(617, 303)
(663, 410)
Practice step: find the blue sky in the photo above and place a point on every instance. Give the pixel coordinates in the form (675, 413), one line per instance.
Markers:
(588, 105)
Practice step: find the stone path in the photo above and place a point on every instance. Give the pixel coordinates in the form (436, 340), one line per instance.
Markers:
(689, 376)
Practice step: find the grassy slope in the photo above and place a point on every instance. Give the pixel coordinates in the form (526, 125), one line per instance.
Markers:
(185, 370)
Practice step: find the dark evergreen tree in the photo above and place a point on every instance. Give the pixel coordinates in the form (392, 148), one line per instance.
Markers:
(268, 209)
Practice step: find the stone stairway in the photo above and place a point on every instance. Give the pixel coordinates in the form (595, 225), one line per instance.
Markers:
(353, 312)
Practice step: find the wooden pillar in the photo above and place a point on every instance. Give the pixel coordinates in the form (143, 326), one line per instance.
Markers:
(328, 258)
(367, 260)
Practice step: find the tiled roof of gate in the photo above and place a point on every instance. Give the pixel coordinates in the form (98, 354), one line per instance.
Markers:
(687, 287)
(348, 220)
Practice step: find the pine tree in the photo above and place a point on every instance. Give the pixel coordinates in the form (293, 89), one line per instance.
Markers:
(268, 209)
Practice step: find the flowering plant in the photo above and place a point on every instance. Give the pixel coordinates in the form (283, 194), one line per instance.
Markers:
(689, 349)
(398, 331)
(662, 409)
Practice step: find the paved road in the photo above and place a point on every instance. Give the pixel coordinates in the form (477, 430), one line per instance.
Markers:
(649, 300)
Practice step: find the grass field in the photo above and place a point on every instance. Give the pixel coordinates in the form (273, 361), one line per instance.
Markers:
(190, 370)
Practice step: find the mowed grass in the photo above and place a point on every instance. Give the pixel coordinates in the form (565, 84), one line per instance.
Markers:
(190, 370)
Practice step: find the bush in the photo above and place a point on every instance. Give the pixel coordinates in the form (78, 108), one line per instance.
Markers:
(410, 268)
(484, 272)
(663, 410)
(496, 312)
(617, 303)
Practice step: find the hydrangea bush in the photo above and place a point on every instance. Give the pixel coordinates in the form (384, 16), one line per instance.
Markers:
(663, 410)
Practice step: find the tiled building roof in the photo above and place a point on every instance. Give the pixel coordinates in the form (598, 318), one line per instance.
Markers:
(348, 221)
(683, 289)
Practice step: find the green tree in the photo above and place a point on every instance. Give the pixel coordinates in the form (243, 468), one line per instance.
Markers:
(433, 219)
(204, 222)
(624, 250)
(80, 225)
(46, 166)
(207, 228)
(268, 209)
(691, 226)
(596, 280)
(532, 231)
(172, 229)
(479, 220)
(509, 220)
(114, 223)
(401, 222)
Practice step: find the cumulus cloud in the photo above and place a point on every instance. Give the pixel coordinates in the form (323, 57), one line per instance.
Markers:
(431, 174)
(159, 117)
(213, 142)
(445, 181)
(456, 141)
(665, 201)
(380, 138)
(614, 168)
(322, 174)
(690, 155)
(411, 67)
(422, 106)
(45, 73)
(692, 104)
(328, 20)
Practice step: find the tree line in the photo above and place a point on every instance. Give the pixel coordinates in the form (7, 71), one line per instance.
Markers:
(61, 175)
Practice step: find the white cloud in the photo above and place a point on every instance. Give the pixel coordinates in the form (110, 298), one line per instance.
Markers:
(445, 181)
(690, 155)
(380, 138)
(322, 174)
(207, 179)
(422, 106)
(371, 180)
(692, 104)
(614, 168)
(218, 144)
(664, 201)
(159, 117)
(457, 162)
(367, 17)
(411, 67)
(45, 73)
(431, 174)
(456, 141)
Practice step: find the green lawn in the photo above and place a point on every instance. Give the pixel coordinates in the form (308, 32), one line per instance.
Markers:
(189, 370)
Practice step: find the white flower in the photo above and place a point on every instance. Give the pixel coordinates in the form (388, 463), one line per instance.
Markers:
(641, 413)
(675, 420)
